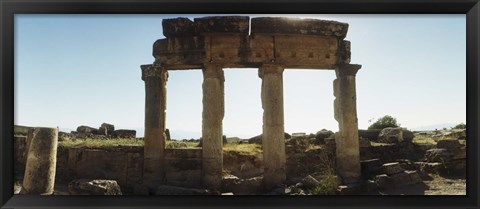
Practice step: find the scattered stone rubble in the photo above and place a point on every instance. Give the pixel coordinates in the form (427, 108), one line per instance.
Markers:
(94, 187)
(105, 131)
(449, 157)
(395, 135)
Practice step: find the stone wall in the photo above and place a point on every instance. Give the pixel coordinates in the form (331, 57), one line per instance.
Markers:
(183, 167)
(123, 164)
(393, 152)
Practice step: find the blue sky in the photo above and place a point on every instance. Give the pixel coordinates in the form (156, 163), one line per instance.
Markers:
(73, 70)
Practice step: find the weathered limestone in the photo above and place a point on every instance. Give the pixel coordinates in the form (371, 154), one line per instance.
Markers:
(212, 131)
(94, 187)
(272, 44)
(283, 25)
(155, 78)
(226, 24)
(28, 141)
(41, 162)
(273, 139)
(347, 144)
(295, 43)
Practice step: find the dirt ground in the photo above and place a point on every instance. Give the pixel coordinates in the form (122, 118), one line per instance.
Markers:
(445, 186)
(438, 185)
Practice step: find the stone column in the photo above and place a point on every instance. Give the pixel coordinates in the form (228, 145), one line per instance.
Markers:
(212, 130)
(347, 145)
(155, 78)
(41, 162)
(273, 138)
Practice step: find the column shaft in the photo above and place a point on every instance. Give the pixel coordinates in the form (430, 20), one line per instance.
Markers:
(212, 130)
(39, 175)
(347, 145)
(273, 138)
(155, 78)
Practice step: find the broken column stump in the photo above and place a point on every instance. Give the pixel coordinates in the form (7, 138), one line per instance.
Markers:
(39, 175)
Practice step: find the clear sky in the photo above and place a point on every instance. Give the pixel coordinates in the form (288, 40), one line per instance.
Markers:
(73, 70)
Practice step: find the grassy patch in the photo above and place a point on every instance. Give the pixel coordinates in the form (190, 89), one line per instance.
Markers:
(379, 144)
(424, 140)
(251, 149)
(328, 185)
(181, 144)
(99, 143)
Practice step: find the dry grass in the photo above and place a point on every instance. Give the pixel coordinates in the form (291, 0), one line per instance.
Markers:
(327, 179)
(424, 140)
(111, 143)
(379, 144)
(250, 149)
(312, 147)
(99, 143)
(181, 144)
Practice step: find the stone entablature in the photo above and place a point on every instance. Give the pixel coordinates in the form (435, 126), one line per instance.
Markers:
(292, 43)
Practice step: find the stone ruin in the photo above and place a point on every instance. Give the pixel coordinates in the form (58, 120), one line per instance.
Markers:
(105, 131)
(271, 45)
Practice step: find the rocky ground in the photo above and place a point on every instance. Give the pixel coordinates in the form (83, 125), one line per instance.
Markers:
(437, 186)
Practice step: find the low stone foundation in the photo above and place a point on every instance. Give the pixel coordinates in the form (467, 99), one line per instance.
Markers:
(122, 164)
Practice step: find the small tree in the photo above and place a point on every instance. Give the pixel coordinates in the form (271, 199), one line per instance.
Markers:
(460, 126)
(384, 122)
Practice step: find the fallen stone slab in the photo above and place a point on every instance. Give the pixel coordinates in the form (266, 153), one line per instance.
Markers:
(438, 155)
(406, 164)
(401, 179)
(448, 144)
(94, 187)
(236, 185)
(350, 189)
(414, 177)
(459, 153)
(384, 181)
(123, 133)
(371, 167)
(87, 130)
(392, 168)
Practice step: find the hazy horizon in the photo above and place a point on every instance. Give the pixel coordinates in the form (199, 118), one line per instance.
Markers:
(73, 70)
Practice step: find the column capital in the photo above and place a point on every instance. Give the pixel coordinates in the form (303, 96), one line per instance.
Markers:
(270, 69)
(347, 70)
(213, 71)
(152, 71)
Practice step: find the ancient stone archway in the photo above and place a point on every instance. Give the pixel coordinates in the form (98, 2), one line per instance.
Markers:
(273, 45)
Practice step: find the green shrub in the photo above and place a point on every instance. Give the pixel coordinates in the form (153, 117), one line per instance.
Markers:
(460, 126)
(384, 122)
(328, 185)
